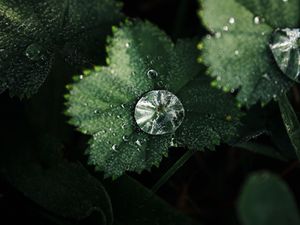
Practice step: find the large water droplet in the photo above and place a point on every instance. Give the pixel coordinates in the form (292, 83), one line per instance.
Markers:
(34, 52)
(285, 46)
(159, 112)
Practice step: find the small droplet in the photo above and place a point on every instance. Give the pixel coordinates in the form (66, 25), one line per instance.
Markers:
(218, 34)
(286, 51)
(159, 112)
(127, 45)
(138, 143)
(152, 73)
(34, 52)
(225, 28)
(236, 52)
(114, 147)
(231, 20)
(257, 20)
(266, 76)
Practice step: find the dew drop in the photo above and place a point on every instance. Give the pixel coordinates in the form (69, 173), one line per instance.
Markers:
(138, 143)
(225, 28)
(159, 112)
(114, 147)
(152, 73)
(236, 52)
(285, 46)
(34, 52)
(266, 76)
(218, 35)
(231, 20)
(257, 20)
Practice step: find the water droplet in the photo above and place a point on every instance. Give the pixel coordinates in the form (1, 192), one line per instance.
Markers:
(236, 52)
(231, 20)
(159, 112)
(266, 76)
(127, 45)
(285, 1)
(138, 143)
(285, 46)
(218, 34)
(258, 20)
(152, 74)
(114, 147)
(34, 52)
(225, 28)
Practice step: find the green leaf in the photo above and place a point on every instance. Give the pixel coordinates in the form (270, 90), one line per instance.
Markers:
(266, 200)
(102, 102)
(238, 54)
(34, 33)
(63, 188)
(291, 122)
(135, 205)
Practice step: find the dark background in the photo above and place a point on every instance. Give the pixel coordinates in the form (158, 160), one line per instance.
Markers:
(206, 188)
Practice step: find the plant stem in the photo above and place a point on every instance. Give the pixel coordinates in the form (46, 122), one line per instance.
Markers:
(291, 122)
(173, 170)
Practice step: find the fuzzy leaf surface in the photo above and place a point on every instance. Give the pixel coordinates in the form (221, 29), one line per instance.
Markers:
(102, 102)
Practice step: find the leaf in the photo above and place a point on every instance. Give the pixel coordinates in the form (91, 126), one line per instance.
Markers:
(63, 188)
(266, 200)
(260, 124)
(238, 55)
(102, 102)
(291, 122)
(34, 33)
(135, 205)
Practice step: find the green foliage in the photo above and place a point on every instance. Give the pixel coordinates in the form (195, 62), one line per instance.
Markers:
(238, 54)
(34, 33)
(291, 123)
(102, 102)
(266, 200)
(132, 202)
(61, 187)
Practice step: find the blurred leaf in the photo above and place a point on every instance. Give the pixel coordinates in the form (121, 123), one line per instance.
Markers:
(266, 200)
(135, 205)
(261, 149)
(291, 122)
(34, 32)
(102, 102)
(238, 54)
(260, 124)
(61, 187)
